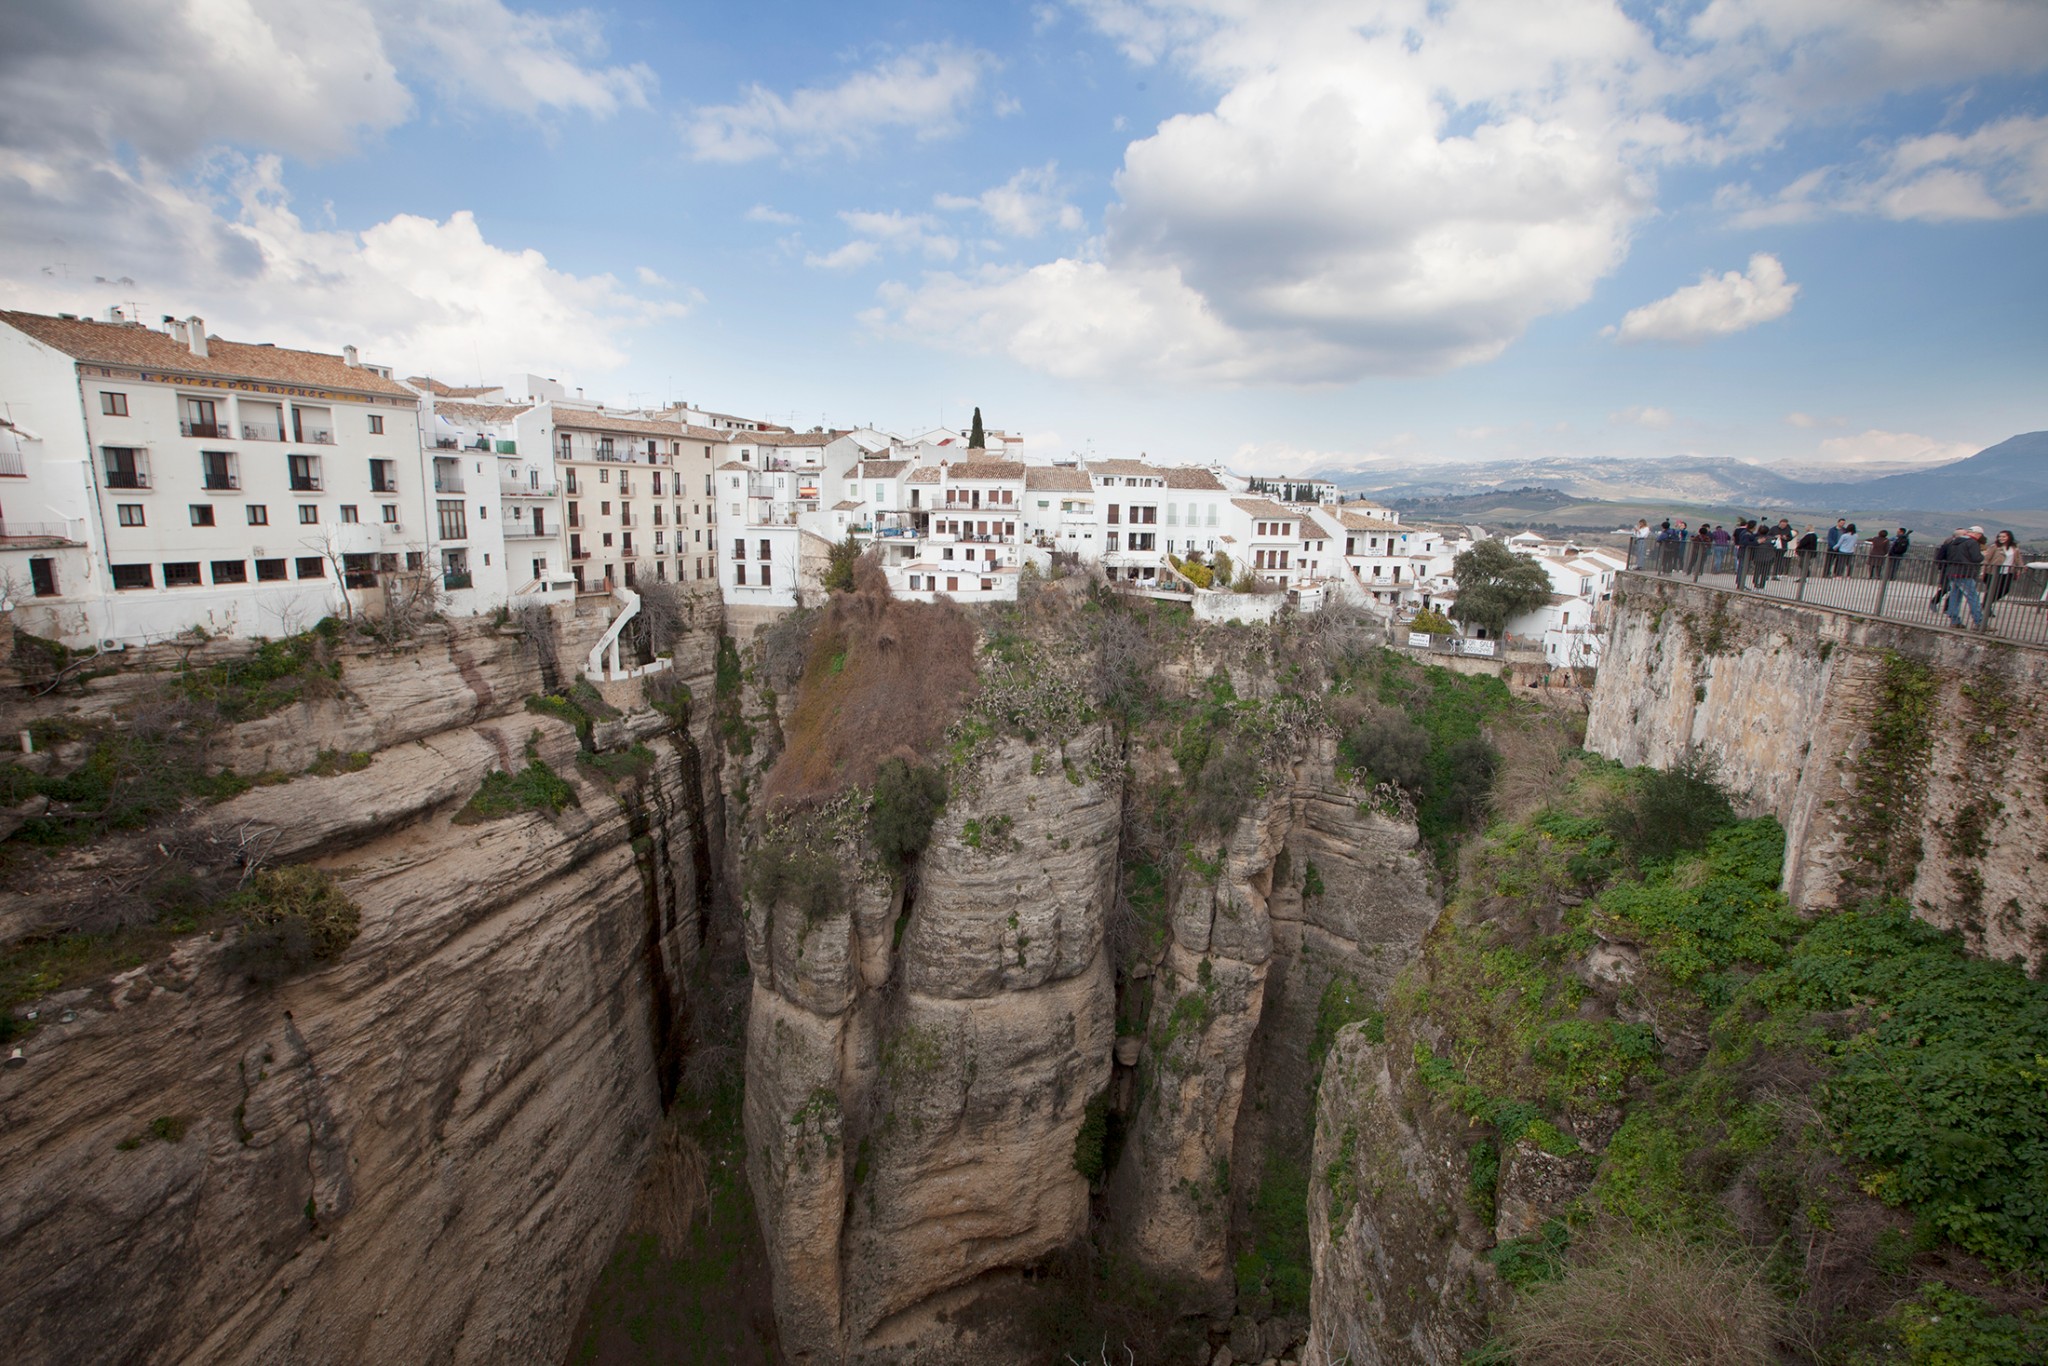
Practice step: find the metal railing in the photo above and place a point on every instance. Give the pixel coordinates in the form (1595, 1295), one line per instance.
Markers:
(1914, 589)
(509, 490)
(216, 431)
(453, 581)
(261, 431)
(305, 483)
(39, 531)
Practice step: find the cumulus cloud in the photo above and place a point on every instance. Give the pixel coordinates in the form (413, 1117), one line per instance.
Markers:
(1346, 208)
(763, 213)
(875, 233)
(924, 91)
(1888, 448)
(1715, 307)
(1025, 205)
(412, 290)
(1656, 419)
(1998, 170)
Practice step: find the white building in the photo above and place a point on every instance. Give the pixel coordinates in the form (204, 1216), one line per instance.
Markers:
(968, 520)
(166, 479)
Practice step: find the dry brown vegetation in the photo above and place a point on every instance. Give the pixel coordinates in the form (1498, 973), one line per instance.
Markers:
(880, 678)
(1640, 1301)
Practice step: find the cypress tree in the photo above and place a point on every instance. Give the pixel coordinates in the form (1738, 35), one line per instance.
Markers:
(976, 441)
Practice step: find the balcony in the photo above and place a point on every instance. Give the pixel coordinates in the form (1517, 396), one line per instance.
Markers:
(219, 482)
(453, 581)
(127, 479)
(447, 483)
(510, 490)
(214, 431)
(261, 431)
(305, 483)
(520, 531)
(318, 436)
(386, 486)
(579, 554)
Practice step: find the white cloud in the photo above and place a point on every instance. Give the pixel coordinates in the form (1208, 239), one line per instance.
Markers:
(763, 213)
(651, 277)
(1025, 205)
(1806, 420)
(924, 91)
(1999, 170)
(414, 291)
(1656, 419)
(1882, 447)
(1391, 188)
(308, 77)
(876, 232)
(1715, 307)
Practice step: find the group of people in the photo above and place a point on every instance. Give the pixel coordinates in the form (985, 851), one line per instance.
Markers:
(1758, 550)
(1968, 559)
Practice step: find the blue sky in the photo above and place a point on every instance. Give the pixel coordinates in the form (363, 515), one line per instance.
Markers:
(1283, 235)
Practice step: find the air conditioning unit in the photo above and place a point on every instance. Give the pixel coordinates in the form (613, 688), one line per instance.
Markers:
(260, 552)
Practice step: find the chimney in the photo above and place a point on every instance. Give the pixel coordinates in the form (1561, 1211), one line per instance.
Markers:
(115, 315)
(195, 328)
(348, 357)
(175, 330)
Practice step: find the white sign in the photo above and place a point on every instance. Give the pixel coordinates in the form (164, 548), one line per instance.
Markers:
(1418, 640)
(1478, 647)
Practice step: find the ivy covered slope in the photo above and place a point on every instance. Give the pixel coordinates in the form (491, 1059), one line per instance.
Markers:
(1678, 1121)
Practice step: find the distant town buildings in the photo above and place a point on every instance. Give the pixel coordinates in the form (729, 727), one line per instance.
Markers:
(155, 480)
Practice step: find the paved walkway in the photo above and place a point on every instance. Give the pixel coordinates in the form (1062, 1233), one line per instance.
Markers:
(2022, 616)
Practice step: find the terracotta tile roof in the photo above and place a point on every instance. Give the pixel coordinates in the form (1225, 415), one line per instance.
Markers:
(847, 505)
(594, 420)
(1191, 477)
(480, 414)
(1056, 479)
(440, 390)
(881, 469)
(137, 346)
(733, 465)
(1354, 521)
(984, 469)
(789, 438)
(1266, 507)
(924, 474)
(1131, 468)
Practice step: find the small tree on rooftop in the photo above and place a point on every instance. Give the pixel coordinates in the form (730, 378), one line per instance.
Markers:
(1495, 584)
(976, 439)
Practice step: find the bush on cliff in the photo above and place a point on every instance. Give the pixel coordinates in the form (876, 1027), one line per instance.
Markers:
(291, 918)
(533, 788)
(907, 800)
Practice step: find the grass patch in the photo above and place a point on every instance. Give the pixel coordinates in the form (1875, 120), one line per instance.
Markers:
(534, 788)
(291, 918)
(274, 675)
(614, 765)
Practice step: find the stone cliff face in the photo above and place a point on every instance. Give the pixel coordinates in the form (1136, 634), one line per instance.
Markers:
(1236, 996)
(1900, 760)
(918, 1067)
(417, 1151)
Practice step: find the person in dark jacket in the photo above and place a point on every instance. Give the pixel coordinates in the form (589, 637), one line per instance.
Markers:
(1880, 549)
(1962, 562)
(1901, 542)
(1809, 549)
(1697, 549)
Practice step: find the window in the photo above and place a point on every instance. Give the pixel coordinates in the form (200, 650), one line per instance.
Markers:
(127, 467)
(952, 584)
(182, 574)
(739, 548)
(202, 515)
(604, 508)
(348, 513)
(218, 470)
(604, 453)
(383, 476)
(988, 585)
(305, 473)
(269, 571)
(739, 574)
(129, 514)
(390, 513)
(376, 424)
(311, 567)
(114, 405)
(230, 571)
(764, 548)
(607, 540)
(42, 576)
(453, 521)
(133, 576)
(309, 514)
(259, 514)
(916, 583)
(415, 560)
(359, 571)
(764, 575)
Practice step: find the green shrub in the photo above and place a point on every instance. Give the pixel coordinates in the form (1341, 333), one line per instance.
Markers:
(1665, 812)
(788, 870)
(1386, 746)
(534, 788)
(276, 674)
(1944, 1327)
(291, 918)
(907, 800)
(617, 764)
(1091, 1139)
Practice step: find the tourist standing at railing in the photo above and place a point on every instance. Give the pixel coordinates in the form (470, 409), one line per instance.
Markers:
(1701, 545)
(1639, 544)
(2002, 564)
(1744, 543)
(1845, 552)
(1809, 549)
(1783, 536)
(1901, 543)
(1667, 546)
(1723, 543)
(1769, 549)
(1963, 561)
(1879, 548)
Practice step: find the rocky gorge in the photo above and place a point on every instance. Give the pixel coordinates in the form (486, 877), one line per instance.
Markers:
(1061, 982)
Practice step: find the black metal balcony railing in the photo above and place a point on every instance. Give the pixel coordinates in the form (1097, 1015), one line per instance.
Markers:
(218, 482)
(383, 486)
(216, 431)
(127, 479)
(453, 581)
(1914, 589)
(261, 431)
(305, 483)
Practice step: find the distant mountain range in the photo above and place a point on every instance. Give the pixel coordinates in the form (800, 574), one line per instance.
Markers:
(2011, 475)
